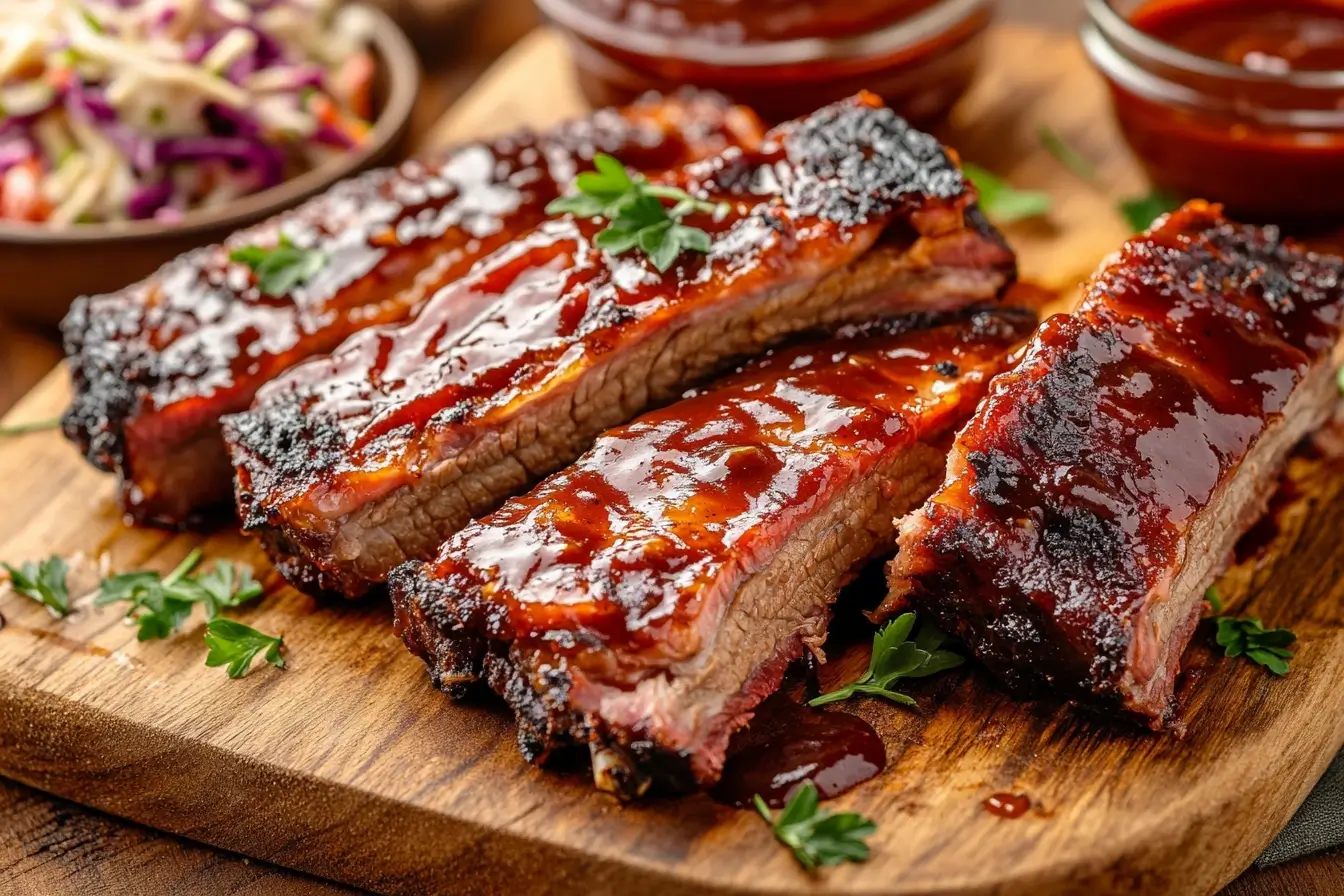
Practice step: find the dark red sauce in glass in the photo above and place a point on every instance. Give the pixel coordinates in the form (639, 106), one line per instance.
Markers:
(784, 58)
(789, 744)
(1237, 101)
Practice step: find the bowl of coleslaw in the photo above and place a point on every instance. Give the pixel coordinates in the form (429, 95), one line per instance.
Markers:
(134, 130)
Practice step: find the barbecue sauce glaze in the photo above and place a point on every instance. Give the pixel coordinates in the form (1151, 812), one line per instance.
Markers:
(1261, 170)
(164, 359)
(1084, 467)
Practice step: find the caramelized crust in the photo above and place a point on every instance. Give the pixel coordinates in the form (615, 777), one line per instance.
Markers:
(353, 464)
(1102, 485)
(157, 364)
(650, 595)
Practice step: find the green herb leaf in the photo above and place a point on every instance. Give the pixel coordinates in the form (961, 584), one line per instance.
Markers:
(19, 429)
(1141, 211)
(227, 585)
(895, 657)
(1215, 600)
(637, 217)
(1066, 155)
(281, 268)
(158, 604)
(1339, 380)
(44, 582)
(1247, 637)
(1001, 201)
(818, 838)
(237, 645)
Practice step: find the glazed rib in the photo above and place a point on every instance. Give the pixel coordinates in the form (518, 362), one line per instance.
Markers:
(647, 598)
(1101, 487)
(157, 364)
(351, 465)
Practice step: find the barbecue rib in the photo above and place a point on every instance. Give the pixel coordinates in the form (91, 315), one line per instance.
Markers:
(1103, 483)
(157, 364)
(354, 464)
(647, 598)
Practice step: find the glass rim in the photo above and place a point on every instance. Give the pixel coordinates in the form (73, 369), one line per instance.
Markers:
(900, 35)
(1114, 28)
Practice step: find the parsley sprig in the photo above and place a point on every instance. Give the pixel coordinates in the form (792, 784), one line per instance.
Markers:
(161, 604)
(44, 582)
(895, 657)
(282, 267)
(1247, 636)
(237, 645)
(1138, 211)
(1141, 211)
(636, 215)
(1001, 201)
(817, 837)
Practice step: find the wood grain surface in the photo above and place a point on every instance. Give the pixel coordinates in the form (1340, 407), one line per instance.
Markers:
(349, 765)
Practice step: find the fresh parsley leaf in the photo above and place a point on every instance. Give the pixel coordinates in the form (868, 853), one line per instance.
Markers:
(1066, 155)
(281, 268)
(44, 582)
(818, 838)
(895, 657)
(636, 215)
(1141, 211)
(158, 604)
(1247, 637)
(1001, 201)
(19, 429)
(226, 585)
(237, 645)
(1215, 600)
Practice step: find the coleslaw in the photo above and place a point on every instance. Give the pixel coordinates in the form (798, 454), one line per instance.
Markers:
(118, 110)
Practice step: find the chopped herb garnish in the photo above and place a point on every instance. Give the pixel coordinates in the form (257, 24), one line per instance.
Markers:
(19, 429)
(161, 604)
(1249, 638)
(818, 838)
(44, 582)
(91, 21)
(280, 268)
(237, 645)
(1066, 155)
(895, 657)
(1215, 600)
(1141, 211)
(1339, 379)
(1003, 202)
(636, 215)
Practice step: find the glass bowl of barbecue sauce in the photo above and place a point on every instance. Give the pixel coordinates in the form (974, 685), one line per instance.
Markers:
(784, 58)
(1237, 101)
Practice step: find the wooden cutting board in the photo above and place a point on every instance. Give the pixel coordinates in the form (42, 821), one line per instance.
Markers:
(350, 766)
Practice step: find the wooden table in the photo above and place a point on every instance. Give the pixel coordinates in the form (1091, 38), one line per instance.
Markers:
(50, 847)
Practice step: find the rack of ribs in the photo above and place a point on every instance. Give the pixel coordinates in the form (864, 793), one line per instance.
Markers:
(644, 600)
(157, 364)
(1102, 485)
(351, 465)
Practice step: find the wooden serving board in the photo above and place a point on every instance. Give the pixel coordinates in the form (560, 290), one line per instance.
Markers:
(350, 766)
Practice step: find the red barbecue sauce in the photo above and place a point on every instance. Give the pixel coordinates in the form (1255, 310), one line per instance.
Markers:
(747, 49)
(789, 744)
(1260, 170)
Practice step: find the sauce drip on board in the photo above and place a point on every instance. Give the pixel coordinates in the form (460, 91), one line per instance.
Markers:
(1267, 146)
(789, 744)
(1007, 805)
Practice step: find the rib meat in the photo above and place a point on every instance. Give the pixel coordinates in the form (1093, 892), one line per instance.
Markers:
(354, 464)
(1102, 485)
(157, 364)
(647, 598)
